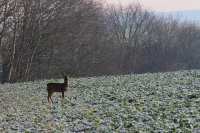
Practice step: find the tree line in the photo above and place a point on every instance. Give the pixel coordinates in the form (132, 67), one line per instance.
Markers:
(44, 38)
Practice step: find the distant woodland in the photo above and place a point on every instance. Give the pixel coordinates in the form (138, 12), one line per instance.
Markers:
(41, 39)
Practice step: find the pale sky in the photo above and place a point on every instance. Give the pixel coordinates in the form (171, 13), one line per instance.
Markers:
(163, 5)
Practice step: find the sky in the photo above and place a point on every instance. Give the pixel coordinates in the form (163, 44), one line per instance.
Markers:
(164, 5)
(183, 9)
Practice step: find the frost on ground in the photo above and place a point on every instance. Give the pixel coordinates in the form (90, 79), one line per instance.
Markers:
(161, 102)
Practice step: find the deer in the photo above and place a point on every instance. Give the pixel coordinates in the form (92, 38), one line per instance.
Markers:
(57, 87)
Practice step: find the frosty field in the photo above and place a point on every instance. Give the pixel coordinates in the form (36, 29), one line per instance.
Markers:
(161, 102)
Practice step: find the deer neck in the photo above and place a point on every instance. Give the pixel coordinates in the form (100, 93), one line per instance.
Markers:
(66, 83)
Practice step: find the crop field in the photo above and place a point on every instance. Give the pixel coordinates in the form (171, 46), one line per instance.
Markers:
(160, 102)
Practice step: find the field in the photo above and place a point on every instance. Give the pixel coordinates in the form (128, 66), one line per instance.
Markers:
(160, 102)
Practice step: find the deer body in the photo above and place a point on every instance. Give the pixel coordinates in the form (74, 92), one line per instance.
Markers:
(57, 87)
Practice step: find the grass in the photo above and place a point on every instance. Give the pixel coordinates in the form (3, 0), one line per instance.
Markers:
(160, 102)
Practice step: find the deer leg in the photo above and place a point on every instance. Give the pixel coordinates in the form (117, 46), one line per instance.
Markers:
(49, 97)
(51, 100)
(63, 94)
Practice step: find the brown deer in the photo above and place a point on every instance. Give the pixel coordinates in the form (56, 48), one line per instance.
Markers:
(57, 87)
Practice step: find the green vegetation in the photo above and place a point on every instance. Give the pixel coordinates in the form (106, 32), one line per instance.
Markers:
(160, 102)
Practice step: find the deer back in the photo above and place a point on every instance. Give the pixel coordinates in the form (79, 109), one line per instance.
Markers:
(56, 87)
